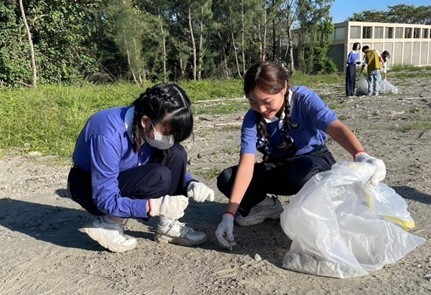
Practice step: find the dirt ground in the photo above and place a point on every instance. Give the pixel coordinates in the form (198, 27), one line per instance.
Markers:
(42, 250)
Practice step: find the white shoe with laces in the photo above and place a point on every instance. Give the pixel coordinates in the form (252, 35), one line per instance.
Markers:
(110, 234)
(176, 232)
(269, 208)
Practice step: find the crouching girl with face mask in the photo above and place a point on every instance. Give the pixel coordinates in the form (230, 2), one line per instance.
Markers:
(128, 163)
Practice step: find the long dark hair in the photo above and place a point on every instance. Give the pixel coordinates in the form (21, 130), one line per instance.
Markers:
(385, 55)
(271, 78)
(355, 46)
(167, 104)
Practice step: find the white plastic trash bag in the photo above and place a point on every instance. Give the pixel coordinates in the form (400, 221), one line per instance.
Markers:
(387, 87)
(362, 88)
(342, 227)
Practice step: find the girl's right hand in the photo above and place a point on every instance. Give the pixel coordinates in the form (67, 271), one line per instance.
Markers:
(224, 232)
(171, 207)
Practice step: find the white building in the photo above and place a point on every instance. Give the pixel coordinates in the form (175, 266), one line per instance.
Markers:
(408, 44)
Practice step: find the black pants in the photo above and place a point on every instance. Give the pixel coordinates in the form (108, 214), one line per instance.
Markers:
(164, 174)
(350, 79)
(281, 179)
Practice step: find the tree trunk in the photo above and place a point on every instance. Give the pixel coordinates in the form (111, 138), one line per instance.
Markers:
(236, 57)
(242, 37)
(265, 28)
(129, 62)
(140, 76)
(201, 49)
(292, 60)
(273, 34)
(289, 48)
(30, 42)
(193, 43)
(164, 54)
(223, 52)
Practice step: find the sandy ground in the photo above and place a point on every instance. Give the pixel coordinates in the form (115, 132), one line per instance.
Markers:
(42, 250)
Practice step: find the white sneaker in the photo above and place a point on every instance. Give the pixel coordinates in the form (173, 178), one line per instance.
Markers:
(110, 235)
(270, 208)
(176, 232)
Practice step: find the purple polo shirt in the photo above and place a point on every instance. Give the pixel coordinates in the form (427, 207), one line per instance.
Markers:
(310, 117)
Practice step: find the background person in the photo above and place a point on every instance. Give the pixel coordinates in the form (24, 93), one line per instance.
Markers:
(352, 61)
(374, 63)
(128, 163)
(385, 57)
(288, 125)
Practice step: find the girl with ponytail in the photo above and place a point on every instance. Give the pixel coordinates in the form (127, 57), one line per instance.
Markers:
(289, 126)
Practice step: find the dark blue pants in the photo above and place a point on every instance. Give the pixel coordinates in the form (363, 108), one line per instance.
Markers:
(163, 175)
(285, 178)
(350, 79)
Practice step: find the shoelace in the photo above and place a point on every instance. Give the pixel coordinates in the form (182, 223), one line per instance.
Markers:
(257, 209)
(183, 228)
(120, 227)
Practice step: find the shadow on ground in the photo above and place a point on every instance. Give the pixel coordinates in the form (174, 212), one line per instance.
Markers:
(61, 226)
(56, 225)
(412, 194)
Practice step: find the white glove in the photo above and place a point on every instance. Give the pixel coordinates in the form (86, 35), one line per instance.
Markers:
(200, 192)
(380, 172)
(171, 207)
(224, 232)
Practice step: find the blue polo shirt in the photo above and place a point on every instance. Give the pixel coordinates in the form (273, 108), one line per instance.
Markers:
(104, 147)
(310, 117)
(353, 57)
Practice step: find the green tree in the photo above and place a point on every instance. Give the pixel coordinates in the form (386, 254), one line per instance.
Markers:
(15, 66)
(402, 13)
(30, 43)
(315, 28)
(63, 36)
(62, 33)
(227, 36)
(127, 28)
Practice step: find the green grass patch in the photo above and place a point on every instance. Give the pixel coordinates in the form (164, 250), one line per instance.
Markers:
(212, 89)
(419, 125)
(49, 118)
(409, 71)
(315, 81)
(221, 107)
(208, 173)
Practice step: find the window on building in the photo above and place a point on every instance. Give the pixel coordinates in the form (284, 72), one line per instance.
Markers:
(425, 33)
(389, 33)
(417, 33)
(367, 32)
(407, 33)
(355, 32)
(340, 33)
(398, 33)
(378, 32)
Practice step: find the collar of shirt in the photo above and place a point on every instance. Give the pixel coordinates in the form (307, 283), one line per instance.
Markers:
(128, 121)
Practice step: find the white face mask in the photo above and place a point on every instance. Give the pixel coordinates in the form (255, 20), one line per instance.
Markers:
(161, 142)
